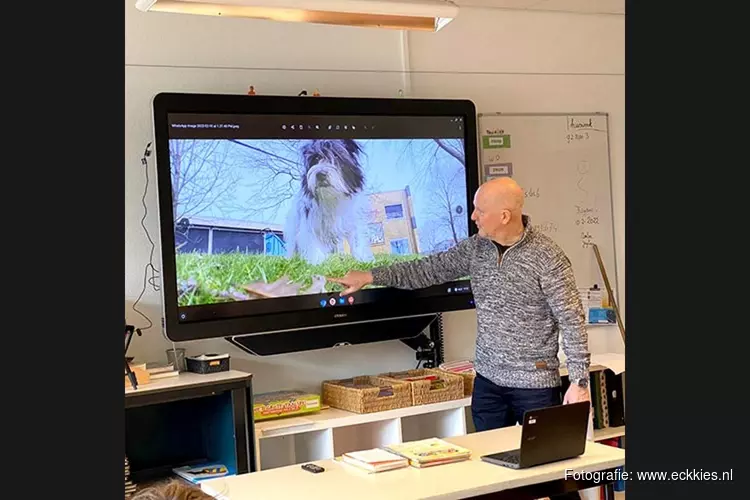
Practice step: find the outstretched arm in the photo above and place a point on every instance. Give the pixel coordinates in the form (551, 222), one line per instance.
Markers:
(433, 270)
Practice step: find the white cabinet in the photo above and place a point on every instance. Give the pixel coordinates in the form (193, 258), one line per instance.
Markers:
(332, 432)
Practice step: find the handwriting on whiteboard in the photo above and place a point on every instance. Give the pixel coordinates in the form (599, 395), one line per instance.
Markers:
(546, 227)
(531, 193)
(580, 123)
(585, 210)
(577, 137)
(586, 239)
(587, 220)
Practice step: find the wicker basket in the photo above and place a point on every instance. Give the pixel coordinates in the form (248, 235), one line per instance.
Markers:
(340, 394)
(421, 390)
(468, 381)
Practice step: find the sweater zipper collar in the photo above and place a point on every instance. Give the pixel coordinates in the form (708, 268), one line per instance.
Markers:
(526, 227)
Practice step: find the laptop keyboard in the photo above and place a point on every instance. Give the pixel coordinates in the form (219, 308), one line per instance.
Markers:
(512, 457)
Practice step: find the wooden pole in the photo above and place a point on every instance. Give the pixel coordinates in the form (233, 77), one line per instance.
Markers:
(609, 291)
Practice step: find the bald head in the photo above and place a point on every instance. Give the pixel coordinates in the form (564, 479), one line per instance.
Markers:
(498, 209)
(503, 193)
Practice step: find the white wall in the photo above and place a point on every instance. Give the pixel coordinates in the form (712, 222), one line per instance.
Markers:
(200, 54)
(503, 60)
(522, 61)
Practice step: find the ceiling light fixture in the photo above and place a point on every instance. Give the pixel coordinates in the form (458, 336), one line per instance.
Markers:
(425, 15)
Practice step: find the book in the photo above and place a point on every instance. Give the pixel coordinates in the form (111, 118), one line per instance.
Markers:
(162, 375)
(154, 368)
(430, 452)
(141, 375)
(158, 371)
(433, 379)
(375, 460)
(460, 366)
(615, 398)
(595, 392)
(603, 403)
(197, 473)
(130, 487)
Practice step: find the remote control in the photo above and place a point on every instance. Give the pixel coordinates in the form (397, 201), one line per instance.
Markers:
(315, 469)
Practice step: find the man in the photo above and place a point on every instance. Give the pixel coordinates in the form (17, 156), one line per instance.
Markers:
(525, 294)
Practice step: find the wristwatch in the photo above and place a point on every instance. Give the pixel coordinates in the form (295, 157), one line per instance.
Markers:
(583, 383)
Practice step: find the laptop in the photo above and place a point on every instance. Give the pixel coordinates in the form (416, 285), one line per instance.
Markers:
(548, 435)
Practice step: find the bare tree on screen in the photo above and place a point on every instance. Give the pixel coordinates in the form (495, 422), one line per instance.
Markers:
(443, 174)
(447, 206)
(277, 171)
(453, 147)
(202, 176)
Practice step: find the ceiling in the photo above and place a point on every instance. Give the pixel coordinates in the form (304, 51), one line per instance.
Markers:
(577, 6)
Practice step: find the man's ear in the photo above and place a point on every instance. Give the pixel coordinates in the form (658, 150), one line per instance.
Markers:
(507, 216)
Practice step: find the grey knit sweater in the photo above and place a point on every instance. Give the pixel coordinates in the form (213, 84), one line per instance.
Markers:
(523, 301)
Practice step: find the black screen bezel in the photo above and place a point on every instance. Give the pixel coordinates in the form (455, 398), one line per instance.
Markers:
(400, 303)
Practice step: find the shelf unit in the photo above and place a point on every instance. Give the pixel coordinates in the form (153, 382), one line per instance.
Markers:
(159, 437)
(609, 433)
(331, 432)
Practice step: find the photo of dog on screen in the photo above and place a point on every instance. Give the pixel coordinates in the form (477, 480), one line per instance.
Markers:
(265, 218)
(330, 207)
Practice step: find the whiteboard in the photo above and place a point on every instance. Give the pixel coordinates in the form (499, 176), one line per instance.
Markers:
(562, 162)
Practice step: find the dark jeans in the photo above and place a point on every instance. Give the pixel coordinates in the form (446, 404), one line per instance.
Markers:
(494, 407)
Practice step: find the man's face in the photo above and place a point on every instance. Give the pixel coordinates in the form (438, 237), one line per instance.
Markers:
(489, 220)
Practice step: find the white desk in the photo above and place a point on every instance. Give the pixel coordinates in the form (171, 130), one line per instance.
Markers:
(186, 380)
(453, 481)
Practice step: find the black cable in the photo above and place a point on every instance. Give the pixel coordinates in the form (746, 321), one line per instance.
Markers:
(439, 341)
(153, 280)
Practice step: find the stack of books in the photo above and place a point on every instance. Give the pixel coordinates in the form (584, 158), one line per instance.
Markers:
(130, 487)
(430, 452)
(158, 371)
(460, 366)
(420, 454)
(197, 473)
(375, 460)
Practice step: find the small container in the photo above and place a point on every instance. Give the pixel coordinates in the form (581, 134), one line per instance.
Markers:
(428, 385)
(366, 394)
(595, 297)
(176, 358)
(208, 363)
(602, 315)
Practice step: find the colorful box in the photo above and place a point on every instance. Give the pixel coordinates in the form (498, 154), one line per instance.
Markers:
(602, 315)
(284, 404)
